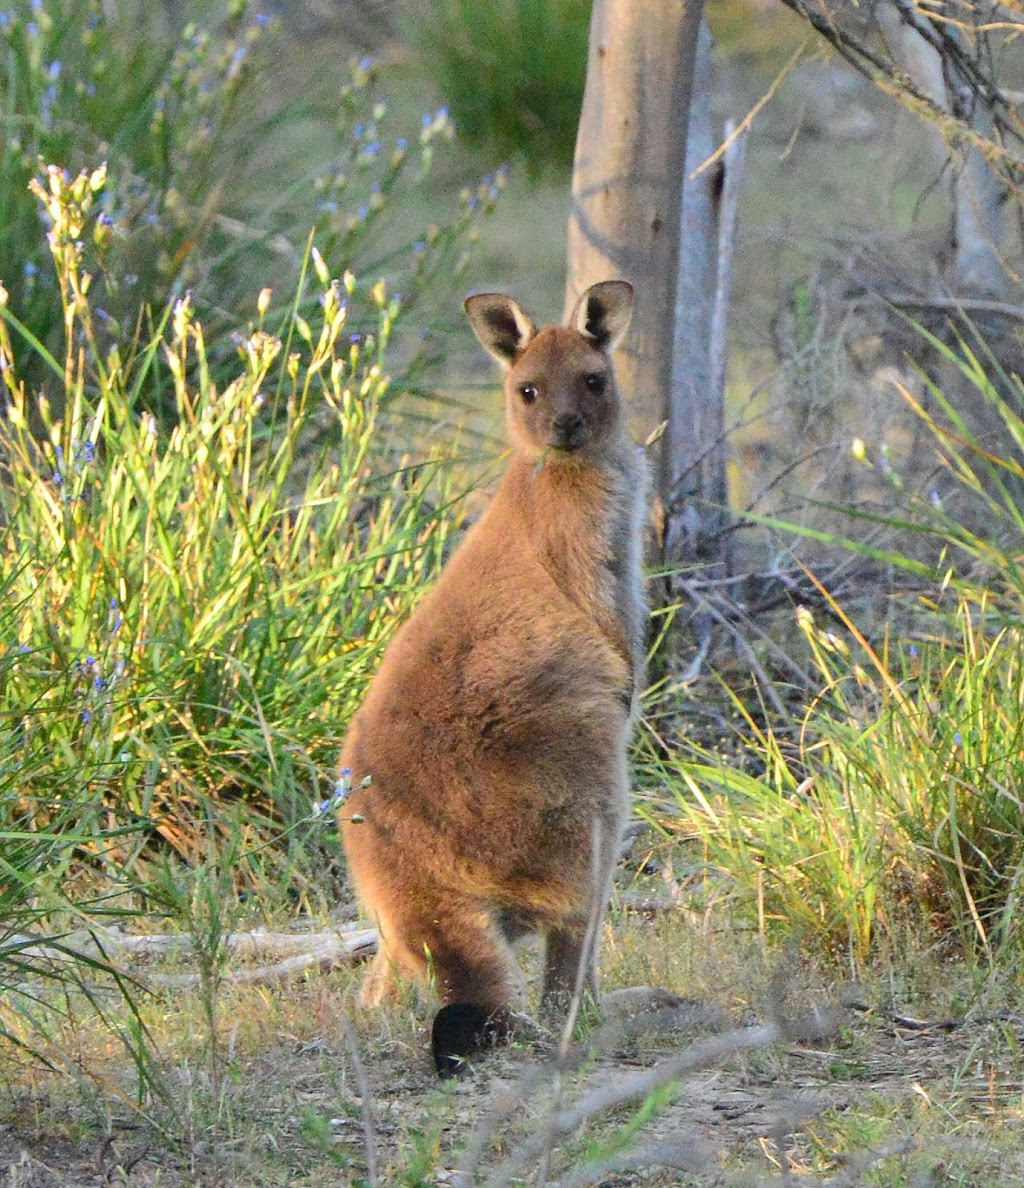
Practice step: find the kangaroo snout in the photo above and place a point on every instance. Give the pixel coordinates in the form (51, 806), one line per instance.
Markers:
(569, 431)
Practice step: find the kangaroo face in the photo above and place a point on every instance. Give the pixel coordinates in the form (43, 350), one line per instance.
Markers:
(560, 392)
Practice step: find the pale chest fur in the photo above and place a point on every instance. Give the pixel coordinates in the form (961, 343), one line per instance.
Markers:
(585, 525)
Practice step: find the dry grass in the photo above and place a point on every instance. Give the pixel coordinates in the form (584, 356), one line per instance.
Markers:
(760, 1099)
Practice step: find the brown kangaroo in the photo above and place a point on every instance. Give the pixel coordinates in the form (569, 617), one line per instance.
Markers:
(493, 740)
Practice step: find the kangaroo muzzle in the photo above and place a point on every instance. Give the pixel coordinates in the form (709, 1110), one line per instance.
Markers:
(569, 431)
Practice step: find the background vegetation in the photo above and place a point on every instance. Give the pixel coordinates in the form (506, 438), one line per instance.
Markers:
(221, 488)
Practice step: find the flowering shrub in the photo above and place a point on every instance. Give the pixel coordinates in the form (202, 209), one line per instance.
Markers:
(190, 613)
(204, 193)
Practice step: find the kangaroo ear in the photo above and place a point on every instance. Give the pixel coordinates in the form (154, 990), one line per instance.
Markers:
(501, 325)
(602, 314)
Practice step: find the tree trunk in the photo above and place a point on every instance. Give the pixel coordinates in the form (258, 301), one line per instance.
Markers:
(692, 482)
(628, 179)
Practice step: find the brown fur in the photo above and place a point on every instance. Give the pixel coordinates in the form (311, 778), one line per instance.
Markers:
(494, 735)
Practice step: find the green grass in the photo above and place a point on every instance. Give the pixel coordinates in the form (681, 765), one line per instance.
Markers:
(893, 810)
(511, 71)
(892, 807)
(190, 615)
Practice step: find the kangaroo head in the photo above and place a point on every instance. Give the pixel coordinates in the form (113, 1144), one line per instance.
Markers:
(560, 392)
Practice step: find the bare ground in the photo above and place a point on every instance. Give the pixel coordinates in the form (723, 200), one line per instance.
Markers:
(918, 1088)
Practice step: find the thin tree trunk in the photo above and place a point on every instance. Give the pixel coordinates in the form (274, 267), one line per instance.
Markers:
(628, 178)
(692, 460)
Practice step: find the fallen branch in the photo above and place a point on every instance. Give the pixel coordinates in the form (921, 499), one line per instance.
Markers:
(645, 905)
(333, 948)
(349, 943)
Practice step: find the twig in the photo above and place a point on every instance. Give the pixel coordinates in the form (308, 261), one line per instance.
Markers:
(366, 1100)
(737, 130)
(632, 1088)
(956, 304)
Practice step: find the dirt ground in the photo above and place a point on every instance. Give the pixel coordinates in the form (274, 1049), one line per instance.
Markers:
(916, 1083)
(748, 1121)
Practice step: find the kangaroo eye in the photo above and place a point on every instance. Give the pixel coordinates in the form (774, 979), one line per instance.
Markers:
(528, 393)
(596, 382)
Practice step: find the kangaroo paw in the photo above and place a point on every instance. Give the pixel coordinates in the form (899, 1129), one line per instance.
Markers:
(461, 1029)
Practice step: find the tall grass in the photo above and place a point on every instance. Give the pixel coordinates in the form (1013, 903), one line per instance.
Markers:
(894, 808)
(191, 614)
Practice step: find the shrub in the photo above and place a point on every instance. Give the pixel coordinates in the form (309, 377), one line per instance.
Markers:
(895, 806)
(206, 189)
(191, 613)
(512, 72)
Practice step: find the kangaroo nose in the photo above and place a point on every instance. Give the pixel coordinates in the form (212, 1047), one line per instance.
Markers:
(567, 425)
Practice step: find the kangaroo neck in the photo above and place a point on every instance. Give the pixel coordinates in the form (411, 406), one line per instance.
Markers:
(578, 519)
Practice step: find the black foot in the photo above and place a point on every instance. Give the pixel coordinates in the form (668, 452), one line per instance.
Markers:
(460, 1029)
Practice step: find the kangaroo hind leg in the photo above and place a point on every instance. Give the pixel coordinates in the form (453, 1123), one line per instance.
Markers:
(478, 982)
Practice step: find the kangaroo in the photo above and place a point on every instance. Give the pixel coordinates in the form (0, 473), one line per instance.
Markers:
(489, 758)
